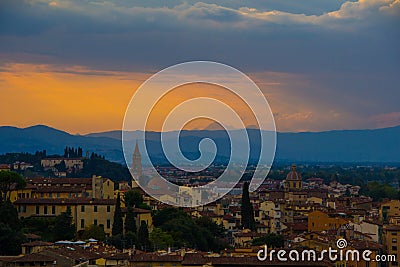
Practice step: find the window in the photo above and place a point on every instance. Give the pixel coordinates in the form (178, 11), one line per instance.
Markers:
(394, 233)
(394, 248)
(95, 222)
(82, 223)
(394, 240)
(37, 209)
(51, 195)
(108, 224)
(58, 195)
(41, 195)
(45, 210)
(108, 209)
(82, 208)
(395, 263)
(95, 208)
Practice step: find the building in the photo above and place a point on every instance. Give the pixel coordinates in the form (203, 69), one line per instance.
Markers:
(136, 169)
(293, 180)
(391, 239)
(390, 212)
(95, 187)
(85, 211)
(70, 163)
(321, 221)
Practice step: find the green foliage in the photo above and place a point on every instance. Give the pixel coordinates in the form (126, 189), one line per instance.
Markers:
(70, 152)
(10, 240)
(10, 180)
(133, 198)
(9, 215)
(202, 234)
(130, 221)
(117, 241)
(105, 168)
(43, 227)
(271, 240)
(131, 239)
(143, 236)
(118, 224)
(61, 167)
(10, 236)
(64, 229)
(94, 231)
(247, 211)
(379, 191)
(161, 239)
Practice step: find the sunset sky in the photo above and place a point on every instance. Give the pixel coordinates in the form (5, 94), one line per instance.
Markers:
(322, 64)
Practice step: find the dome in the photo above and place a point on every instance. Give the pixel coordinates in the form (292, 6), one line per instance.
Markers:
(293, 175)
(157, 184)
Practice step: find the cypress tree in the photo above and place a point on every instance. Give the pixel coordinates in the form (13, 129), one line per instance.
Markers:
(247, 211)
(64, 229)
(143, 236)
(118, 224)
(130, 222)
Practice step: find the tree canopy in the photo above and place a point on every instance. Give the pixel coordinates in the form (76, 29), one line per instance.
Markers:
(64, 228)
(10, 180)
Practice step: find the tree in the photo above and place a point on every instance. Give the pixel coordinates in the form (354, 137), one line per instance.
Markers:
(130, 221)
(10, 240)
(161, 239)
(61, 167)
(247, 211)
(133, 198)
(185, 231)
(143, 236)
(94, 231)
(10, 236)
(130, 239)
(118, 224)
(271, 240)
(64, 229)
(10, 180)
(9, 215)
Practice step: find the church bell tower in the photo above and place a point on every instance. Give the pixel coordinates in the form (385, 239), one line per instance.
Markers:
(136, 169)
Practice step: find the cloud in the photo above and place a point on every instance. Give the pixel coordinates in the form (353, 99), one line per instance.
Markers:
(324, 64)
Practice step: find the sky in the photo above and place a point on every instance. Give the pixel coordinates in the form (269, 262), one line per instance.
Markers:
(321, 64)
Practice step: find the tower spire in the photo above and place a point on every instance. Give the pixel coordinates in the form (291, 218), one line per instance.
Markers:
(136, 169)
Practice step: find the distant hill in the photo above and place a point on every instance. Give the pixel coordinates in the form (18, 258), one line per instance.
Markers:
(41, 137)
(379, 145)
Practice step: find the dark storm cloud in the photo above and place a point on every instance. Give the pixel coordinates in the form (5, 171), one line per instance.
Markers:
(347, 50)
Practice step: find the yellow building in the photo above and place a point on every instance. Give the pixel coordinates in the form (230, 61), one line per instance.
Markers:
(391, 241)
(85, 211)
(390, 212)
(95, 187)
(321, 221)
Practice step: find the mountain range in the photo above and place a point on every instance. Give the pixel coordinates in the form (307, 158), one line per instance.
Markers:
(377, 145)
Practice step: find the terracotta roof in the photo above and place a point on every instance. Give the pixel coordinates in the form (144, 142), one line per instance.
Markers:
(59, 181)
(35, 257)
(74, 252)
(36, 244)
(118, 256)
(155, 258)
(65, 201)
